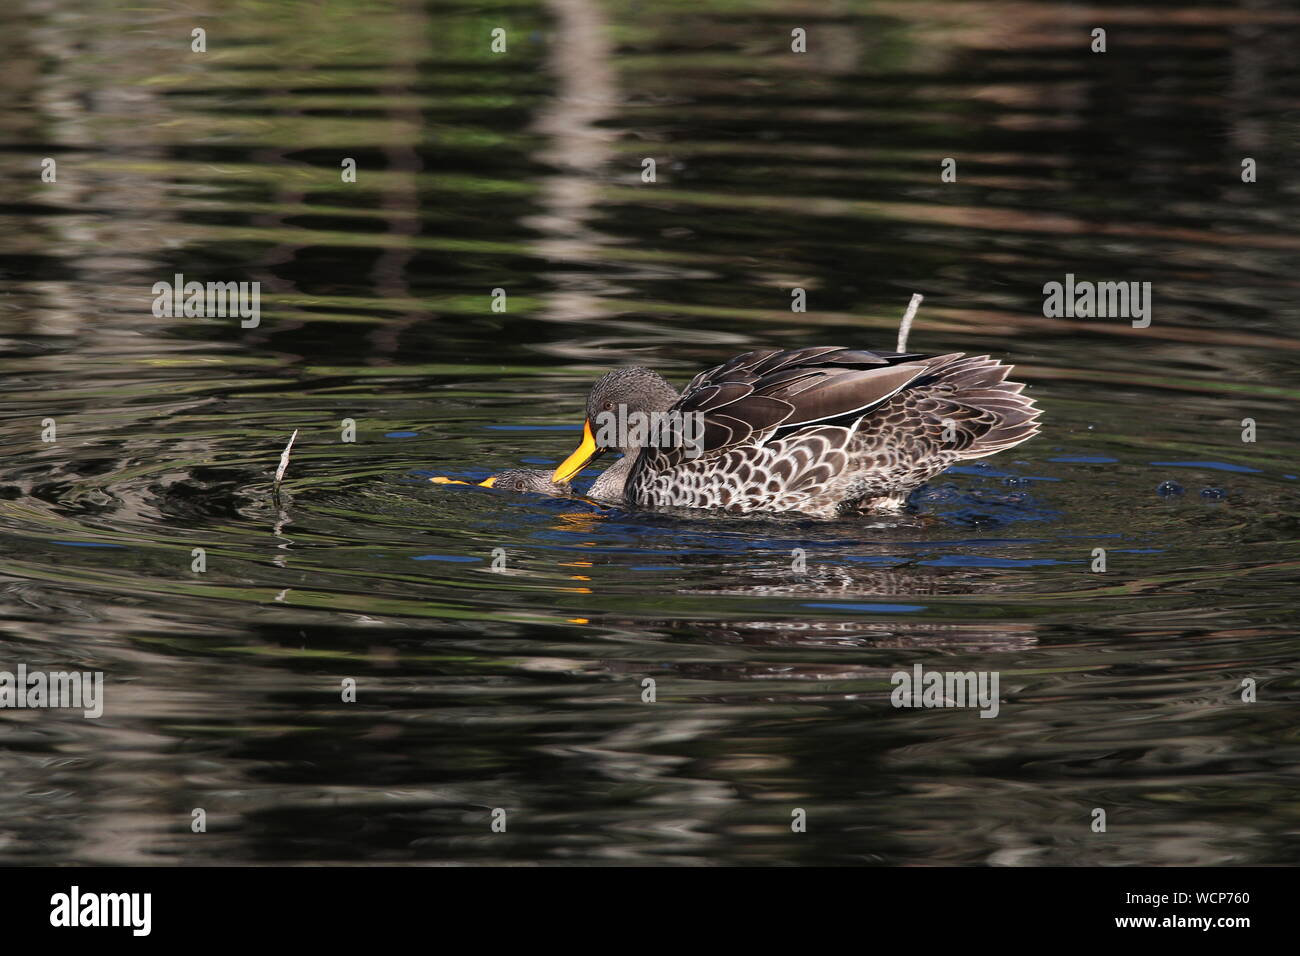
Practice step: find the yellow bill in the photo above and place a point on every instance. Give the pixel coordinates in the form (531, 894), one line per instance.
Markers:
(452, 481)
(579, 459)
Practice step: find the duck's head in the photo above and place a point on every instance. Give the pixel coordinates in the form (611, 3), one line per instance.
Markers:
(613, 402)
(517, 479)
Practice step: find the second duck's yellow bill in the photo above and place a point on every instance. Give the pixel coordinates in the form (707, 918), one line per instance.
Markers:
(452, 481)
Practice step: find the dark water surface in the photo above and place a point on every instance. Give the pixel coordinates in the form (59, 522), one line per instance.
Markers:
(520, 688)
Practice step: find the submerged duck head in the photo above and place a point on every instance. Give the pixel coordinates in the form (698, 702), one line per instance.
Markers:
(616, 398)
(516, 479)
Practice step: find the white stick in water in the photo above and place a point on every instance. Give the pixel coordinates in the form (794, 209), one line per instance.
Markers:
(284, 459)
(908, 316)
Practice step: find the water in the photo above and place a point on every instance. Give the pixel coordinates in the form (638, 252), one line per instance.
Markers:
(520, 688)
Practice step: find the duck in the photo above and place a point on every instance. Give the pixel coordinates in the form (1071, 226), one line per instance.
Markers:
(822, 431)
(518, 480)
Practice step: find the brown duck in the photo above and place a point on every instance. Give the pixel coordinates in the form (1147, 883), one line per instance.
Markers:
(823, 431)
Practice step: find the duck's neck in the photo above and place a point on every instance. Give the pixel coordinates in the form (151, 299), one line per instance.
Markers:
(613, 480)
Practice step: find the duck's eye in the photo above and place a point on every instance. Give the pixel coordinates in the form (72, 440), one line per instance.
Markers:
(609, 406)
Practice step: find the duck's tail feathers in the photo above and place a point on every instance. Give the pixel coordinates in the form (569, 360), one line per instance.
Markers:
(980, 383)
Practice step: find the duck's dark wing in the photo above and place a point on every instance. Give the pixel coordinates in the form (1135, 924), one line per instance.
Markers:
(765, 395)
